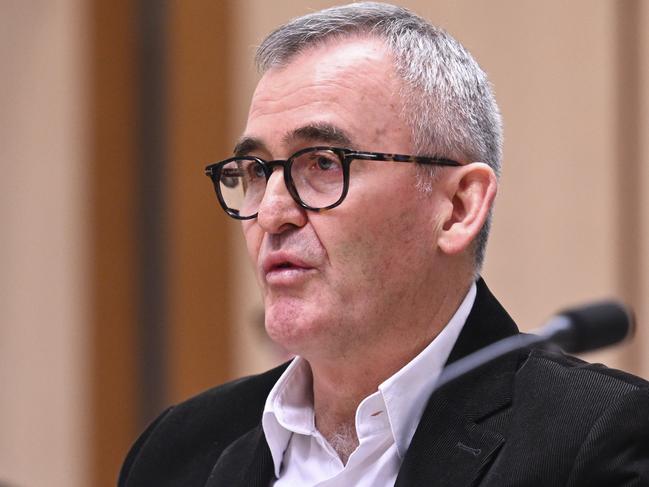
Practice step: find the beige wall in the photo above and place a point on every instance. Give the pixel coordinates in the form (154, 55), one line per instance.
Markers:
(43, 245)
(559, 238)
(642, 347)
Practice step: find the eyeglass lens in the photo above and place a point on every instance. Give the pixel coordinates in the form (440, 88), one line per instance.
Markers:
(317, 177)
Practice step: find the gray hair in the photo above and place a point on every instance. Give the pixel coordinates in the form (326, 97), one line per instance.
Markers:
(448, 101)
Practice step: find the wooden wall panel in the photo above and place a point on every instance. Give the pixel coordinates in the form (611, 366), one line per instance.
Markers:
(155, 343)
(199, 262)
(114, 247)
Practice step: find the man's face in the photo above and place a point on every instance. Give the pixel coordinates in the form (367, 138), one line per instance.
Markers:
(357, 275)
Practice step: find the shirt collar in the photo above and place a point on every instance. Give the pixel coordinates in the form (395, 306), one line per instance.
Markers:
(406, 393)
(288, 409)
(289, 406)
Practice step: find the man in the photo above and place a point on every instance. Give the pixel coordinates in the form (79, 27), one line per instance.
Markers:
(364, 181)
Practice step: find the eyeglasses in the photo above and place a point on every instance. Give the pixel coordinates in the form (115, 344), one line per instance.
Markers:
(317, 177)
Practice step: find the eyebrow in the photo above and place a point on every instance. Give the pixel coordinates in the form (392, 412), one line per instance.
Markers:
(315, 132)
(320, 132)
(246, 145)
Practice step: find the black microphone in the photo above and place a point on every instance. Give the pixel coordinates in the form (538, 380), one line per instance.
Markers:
(573, 330)
(593, 326)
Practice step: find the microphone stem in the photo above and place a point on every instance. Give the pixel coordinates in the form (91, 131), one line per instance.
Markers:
(487, 354)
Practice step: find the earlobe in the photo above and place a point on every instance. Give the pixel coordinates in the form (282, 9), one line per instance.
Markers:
(471, 191)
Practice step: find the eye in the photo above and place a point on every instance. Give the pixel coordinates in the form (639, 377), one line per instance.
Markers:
(257, 170)
(253, 170)
(324, 161)
(230, 178)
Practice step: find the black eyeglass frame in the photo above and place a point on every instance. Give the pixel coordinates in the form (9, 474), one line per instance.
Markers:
(346, 156)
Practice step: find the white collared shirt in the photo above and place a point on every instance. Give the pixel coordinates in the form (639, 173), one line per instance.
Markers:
(385, 420)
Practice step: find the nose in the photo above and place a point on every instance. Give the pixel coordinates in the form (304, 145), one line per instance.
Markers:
(278, 211)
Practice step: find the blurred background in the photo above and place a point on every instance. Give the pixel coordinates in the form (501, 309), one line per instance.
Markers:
(123, 287)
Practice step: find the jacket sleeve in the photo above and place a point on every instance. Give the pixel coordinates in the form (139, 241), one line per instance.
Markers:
(133, 453)
(615, 453)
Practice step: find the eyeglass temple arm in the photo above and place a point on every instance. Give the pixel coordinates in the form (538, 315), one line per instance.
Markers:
(380, 156)
(227, 172)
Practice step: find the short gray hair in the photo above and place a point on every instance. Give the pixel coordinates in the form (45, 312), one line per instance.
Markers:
(449, 103)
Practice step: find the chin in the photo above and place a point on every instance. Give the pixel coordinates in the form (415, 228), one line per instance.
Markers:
(294, 329)
(290, 335)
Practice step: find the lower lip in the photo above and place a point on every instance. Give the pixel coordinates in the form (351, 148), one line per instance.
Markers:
(287, 276)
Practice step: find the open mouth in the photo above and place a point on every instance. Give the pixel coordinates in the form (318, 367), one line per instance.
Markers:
(282, 268)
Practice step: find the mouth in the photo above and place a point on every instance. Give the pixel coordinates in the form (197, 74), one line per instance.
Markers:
(284, 269)
(286, 266)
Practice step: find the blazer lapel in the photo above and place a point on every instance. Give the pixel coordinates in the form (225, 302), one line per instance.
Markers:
(247, 462)
(452, 446)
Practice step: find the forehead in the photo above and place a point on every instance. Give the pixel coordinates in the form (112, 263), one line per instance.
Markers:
(347, 84)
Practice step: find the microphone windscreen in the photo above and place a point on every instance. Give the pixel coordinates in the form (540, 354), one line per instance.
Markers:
(595, 326)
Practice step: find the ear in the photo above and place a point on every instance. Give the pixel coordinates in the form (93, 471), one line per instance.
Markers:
(471, 190)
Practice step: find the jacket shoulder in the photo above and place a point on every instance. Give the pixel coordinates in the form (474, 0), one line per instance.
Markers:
(565, 371)
(599, 415)
(237, 404)
(185, 441)
(573, 393)
(589, 422)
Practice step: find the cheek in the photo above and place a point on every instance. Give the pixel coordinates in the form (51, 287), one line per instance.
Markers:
(381, 247)
(253, 237)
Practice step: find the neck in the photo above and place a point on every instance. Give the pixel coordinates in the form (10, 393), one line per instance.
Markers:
(340, 383)
(336, 397)
(339, 389)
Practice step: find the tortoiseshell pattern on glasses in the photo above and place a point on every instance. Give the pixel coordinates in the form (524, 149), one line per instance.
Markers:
(345, 156)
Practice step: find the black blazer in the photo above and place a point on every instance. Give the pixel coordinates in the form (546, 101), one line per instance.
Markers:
(532, 418)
